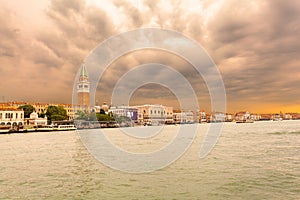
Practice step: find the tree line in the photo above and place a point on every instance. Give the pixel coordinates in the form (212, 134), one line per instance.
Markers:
(58, 113)
(53, 113)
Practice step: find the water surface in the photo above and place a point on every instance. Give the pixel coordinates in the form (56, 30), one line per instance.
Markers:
(250, 161)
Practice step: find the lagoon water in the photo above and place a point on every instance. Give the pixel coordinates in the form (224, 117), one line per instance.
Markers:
(260, 160)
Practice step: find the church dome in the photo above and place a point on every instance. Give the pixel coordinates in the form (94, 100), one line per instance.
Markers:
(34, 115)
(105, 107)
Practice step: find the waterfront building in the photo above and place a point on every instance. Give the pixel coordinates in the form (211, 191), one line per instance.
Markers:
(184, 117)
(229, 117)
(105, 107)
(124, 111)
(217, 117)
(83, 90)
(242, 116)
(153, 114)
(11, 117)
(266, 117)
(177, 117)
(35, 120)
(288, 116)
(295, 116)
(202, 117)
(41, 108)
(255, 117)
(168, 112)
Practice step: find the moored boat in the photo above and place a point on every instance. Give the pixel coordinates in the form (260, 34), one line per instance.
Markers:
(4, 129)
(245, 121)
(70, 127)
(45, 128)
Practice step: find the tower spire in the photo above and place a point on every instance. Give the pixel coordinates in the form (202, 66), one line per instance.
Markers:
(83, 89)
(83, 71)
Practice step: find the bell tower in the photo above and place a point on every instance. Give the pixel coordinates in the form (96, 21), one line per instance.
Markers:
(83, 89)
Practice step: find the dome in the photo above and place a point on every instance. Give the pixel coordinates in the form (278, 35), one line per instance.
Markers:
(105, 107)
(34, 115)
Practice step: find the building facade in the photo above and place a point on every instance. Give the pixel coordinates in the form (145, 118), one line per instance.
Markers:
(35, 120)
(168, 112)
(41, 108)
(217, 117)
(125, 111)
(11, 117)
(184, 117)
(83, 90)
(153, 114)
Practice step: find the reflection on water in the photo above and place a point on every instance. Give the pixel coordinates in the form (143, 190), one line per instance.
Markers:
(250, 161)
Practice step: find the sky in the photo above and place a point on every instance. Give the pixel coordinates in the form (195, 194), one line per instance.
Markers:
(254, 44)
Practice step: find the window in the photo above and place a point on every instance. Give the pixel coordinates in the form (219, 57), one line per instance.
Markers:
(16, 115)
(21, 115)
(0, 115)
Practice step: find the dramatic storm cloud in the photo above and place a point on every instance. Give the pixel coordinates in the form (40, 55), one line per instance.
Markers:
(254, 44)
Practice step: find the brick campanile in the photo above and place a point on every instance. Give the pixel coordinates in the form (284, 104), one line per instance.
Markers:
(83, 89)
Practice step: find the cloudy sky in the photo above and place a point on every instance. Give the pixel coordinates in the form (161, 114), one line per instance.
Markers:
(255, 45)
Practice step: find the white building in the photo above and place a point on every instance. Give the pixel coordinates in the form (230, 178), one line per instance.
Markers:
(202, 117)
(34, 120)
(288, 116)
(11, 117)
(186, 117)
(229, 117)
(242, 116)
(154, 114)
(177, 117)
(168, 113)
(218, 117)
(124, 111)
(255, 117)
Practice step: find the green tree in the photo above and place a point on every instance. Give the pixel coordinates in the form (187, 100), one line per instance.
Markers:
(93, 116)
(42, 115)
(104, 117)
(28, 109)
(110, 114)
(102, 111)
(56, 113)
(81, 115)
(56, 117)
(121, 119)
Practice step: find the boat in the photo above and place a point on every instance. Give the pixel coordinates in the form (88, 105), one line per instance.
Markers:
(245, 121)
(45, 128)
(49, 128)
(4, 129)
(70, 127)
(26, 130)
